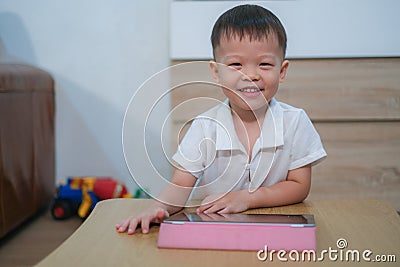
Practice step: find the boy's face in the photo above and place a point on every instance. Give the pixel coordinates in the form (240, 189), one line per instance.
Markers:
(249, 71)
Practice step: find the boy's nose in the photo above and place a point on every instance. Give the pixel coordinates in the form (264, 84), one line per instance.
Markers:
(251, 75)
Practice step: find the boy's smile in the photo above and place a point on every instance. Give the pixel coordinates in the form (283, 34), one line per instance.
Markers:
(250, 91)
(249, 71)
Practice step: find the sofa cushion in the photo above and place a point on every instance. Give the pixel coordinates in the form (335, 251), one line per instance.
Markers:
(26, 143)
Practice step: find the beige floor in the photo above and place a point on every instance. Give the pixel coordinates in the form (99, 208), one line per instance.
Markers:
(34, 240)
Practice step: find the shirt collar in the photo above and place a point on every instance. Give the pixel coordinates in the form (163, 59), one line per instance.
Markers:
(272, 129)
(271, 132)
(226, 137)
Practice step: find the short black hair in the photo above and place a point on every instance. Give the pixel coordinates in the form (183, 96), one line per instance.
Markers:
(253, 21)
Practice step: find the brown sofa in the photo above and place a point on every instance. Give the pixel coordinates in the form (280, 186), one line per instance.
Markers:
(26, 143)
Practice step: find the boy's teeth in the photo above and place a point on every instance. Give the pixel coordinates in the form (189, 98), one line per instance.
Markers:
(249, 90)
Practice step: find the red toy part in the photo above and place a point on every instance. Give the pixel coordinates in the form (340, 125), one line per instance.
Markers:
(109, 188)
(59, 212)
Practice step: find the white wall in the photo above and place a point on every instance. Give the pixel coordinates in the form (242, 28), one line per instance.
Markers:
(315, 28)
(99, 53)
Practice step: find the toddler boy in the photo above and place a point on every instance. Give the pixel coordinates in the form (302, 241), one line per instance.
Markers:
(250, 151)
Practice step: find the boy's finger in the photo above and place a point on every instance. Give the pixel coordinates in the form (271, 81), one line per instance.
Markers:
(132, 226)
(224, 211)
(145, 224)
(162, 214)
(202, 208)
(122, 226)
(213, 209)
(205, 204)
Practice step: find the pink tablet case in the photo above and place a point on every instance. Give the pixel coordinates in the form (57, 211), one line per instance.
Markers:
(236, 236)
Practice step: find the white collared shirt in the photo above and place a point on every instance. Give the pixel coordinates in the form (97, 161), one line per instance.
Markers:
(213, 153)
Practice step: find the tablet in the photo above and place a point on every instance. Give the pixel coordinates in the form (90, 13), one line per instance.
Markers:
(238, 231)
(292, 220)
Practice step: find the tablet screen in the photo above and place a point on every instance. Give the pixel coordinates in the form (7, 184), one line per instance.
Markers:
(269, 219)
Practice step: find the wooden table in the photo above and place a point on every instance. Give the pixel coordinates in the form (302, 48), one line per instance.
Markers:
(364, 224)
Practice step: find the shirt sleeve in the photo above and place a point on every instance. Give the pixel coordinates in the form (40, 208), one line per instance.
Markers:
(191, 151)
(307, 146)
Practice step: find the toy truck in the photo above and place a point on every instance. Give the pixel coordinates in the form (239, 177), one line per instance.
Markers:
(79, 195)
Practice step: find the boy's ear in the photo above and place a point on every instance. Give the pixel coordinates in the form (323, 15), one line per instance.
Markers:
(284, 67)
(214, 70)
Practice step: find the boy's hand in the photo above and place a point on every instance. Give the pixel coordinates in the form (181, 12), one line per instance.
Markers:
(233, 202)
(144, 219)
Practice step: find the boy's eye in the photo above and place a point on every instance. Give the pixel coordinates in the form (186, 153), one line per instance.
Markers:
(235, 65)
(265, 64)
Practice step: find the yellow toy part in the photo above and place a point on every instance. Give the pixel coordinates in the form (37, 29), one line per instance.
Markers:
(86, 185)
